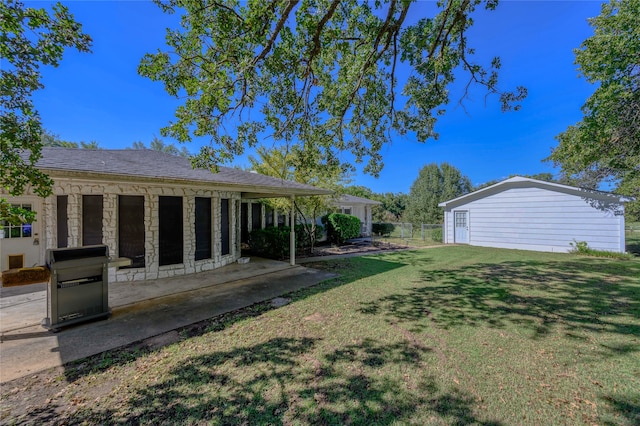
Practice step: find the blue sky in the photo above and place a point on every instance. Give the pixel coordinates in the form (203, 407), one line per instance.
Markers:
(99, 96)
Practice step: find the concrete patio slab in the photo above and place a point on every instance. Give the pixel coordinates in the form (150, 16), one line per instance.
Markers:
(142, 310)
(27, 305)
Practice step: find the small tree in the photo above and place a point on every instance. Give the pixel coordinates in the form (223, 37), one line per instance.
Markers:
(285, 164)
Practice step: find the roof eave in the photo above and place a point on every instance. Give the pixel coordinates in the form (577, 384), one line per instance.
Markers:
(519, 179)
(249, 191)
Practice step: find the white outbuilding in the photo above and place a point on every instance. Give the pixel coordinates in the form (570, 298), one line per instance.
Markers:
(529, 214)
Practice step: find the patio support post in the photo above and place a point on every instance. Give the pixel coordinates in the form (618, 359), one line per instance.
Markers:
(292, 234)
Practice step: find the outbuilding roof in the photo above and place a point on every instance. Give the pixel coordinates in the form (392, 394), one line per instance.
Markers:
(352, 199)
(519, 182)
(150, 165)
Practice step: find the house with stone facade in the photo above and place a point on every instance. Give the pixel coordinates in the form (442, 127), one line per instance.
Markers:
(158, 216)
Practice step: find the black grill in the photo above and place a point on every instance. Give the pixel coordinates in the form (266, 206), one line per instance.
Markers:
(78, 290)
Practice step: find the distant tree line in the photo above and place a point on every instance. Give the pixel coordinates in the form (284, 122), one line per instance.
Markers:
(51, 139)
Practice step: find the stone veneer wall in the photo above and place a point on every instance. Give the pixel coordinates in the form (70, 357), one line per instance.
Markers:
(76, 189)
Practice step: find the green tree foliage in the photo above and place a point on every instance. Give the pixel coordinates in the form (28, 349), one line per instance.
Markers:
(318, 73)
(547, 177)
(361, 191)
(393, 204)
(29, 39)
(434, 185)
(158, 144)
(286, 164)
(605, 145)
(50, 139)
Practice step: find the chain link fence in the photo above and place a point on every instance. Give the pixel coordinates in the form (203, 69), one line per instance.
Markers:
(407, 233)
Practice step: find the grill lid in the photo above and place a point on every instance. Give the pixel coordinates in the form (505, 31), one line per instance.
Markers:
(74, 253)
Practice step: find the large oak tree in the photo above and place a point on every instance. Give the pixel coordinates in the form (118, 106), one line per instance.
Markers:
(29, 39)
(605, 144)
(323, 74)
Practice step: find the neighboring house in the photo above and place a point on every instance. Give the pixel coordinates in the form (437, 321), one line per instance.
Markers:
(152, 210)
(358, 207)
(256, 215)
(528, 214)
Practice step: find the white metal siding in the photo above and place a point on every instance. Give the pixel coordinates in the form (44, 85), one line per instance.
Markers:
(538, 219)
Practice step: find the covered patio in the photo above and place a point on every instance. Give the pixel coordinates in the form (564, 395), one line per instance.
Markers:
(140, 310)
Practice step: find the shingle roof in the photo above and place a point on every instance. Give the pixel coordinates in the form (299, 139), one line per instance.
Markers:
(353, 199)
(519, 181)
(154, 165)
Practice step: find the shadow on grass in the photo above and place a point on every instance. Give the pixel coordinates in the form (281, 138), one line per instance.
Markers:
(633, 246)
(287, 380)
(579, 295)
(625, 408)
(350, 270)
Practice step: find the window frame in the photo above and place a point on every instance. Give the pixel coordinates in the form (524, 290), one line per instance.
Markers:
(10, 228)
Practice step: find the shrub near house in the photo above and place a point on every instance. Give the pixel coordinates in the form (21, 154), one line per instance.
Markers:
(383, 228)
(341, 227)
(273, 242)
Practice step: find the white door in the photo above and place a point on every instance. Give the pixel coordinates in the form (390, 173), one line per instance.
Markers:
(461, 226)
(21, 243)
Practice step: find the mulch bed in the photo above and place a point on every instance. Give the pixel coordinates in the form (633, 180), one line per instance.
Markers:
(328, 250)
(24, 276)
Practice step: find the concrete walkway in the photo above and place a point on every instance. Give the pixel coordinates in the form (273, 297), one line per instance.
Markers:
(140, 310)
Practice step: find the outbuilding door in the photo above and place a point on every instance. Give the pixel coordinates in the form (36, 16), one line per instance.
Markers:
(461, 226)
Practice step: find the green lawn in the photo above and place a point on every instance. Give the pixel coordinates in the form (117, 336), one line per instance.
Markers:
(451, 335)
(633, 238)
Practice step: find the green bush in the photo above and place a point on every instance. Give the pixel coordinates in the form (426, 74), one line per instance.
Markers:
(341, 227)
(303, 241)
(273, 242)
(382, 228)
(436, 234)
(582, 248)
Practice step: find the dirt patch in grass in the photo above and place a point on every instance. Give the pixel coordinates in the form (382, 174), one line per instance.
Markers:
(354, 248)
